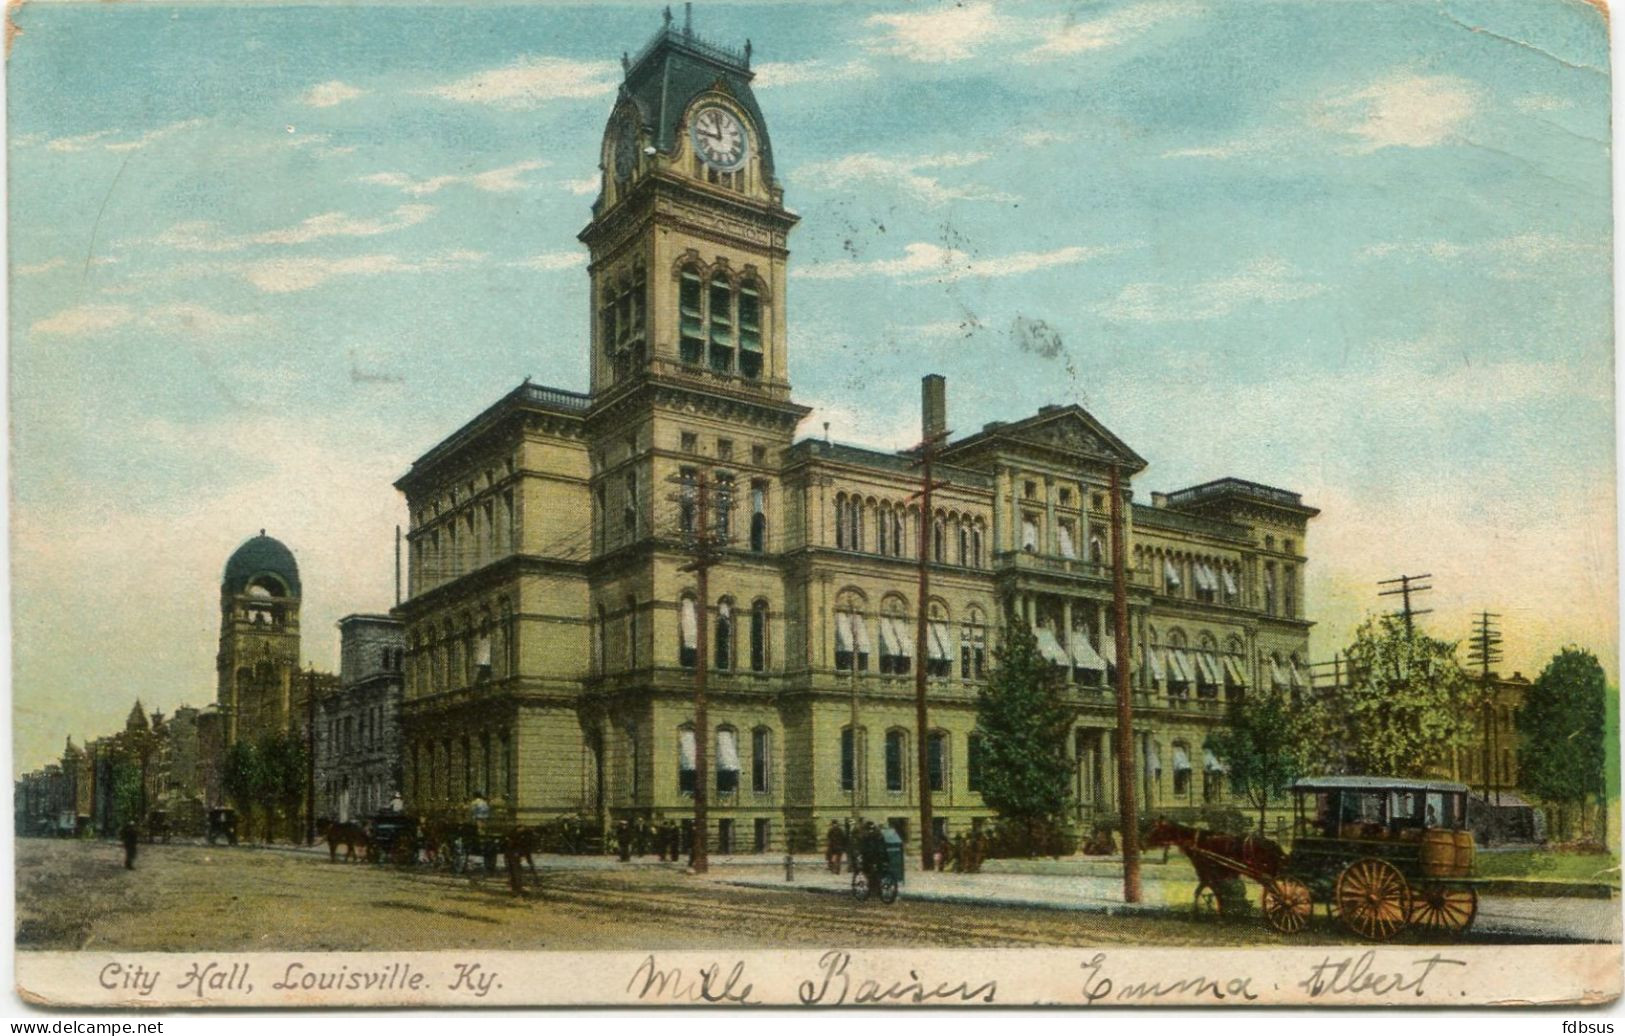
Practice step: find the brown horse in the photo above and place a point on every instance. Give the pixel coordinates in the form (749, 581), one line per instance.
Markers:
(520, 845)
(348, 834)
(1218, 857)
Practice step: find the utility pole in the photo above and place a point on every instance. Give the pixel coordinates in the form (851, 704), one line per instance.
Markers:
(1484, 650)
(932, 432)
(694, 492)
(1125, 707)
(310, 756)
(1407, 586)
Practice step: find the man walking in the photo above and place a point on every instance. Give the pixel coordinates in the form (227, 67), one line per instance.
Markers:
(834, 847)
(131, 838)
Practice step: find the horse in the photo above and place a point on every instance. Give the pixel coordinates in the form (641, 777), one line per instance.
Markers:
(1217, 857)
(520, 845)
(348, 834)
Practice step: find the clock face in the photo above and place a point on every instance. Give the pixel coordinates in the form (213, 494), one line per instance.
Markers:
(719, 138)
(626, 147)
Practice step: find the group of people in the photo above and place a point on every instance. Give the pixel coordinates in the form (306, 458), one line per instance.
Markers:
(638, 837)
(963, 853)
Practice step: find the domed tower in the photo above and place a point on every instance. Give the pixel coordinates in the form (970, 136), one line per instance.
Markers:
(259, 638)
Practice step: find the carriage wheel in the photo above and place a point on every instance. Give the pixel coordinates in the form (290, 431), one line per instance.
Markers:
(1287, 905)
(1205, 903)
(888, 889)
(1373, 899)
(860, 886)
(1447, 908)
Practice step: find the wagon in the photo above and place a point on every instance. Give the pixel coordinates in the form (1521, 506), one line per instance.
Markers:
(392, 838)
(1381, 852)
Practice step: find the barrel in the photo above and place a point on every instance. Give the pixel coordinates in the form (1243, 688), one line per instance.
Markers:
(1447, 854)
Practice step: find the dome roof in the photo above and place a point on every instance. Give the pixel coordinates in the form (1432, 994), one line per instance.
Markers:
(261, 556)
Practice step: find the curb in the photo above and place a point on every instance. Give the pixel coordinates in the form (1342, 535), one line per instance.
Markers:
(1107, 909)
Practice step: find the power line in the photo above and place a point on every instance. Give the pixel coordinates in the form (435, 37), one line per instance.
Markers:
(1407, 586)
(1484, 650)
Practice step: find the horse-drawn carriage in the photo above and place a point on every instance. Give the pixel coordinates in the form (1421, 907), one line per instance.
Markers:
(222, 826)
(392, 838)
(1381, 853)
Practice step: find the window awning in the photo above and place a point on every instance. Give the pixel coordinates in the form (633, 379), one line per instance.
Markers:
(690, 622)
(1108, 650)
(1153, 757)
(1211, 764)
(1278, 678)
(938, 640)
(1181, 760)
(1230, 588)
(1203, 576)
(1295, 675)
(1029, 534)
(1084, 655)
(1233, 670)
(482, 651)
(1049, 647)
(1063, 537)
(727, 751)
(1169, 573)
(843, 631)
(685, 749)
(1153, 658)
(894, 638)
(1206, 671)
(860, 632)
(1179, 667)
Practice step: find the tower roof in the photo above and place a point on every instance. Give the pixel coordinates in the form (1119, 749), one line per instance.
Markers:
(261, 556)
(676, 66)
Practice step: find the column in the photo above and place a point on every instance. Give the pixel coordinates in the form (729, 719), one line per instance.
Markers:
(996, 543)
(1046, 543)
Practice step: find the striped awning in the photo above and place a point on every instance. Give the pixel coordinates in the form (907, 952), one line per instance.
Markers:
(1049, 647)
(1084, 655)
(938, 640)
(1233, 670)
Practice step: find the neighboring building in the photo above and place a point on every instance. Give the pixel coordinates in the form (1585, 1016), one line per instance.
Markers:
(358, 739)
(551, 618)
(260, 687)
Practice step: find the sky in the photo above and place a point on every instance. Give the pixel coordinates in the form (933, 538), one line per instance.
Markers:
(262, 257)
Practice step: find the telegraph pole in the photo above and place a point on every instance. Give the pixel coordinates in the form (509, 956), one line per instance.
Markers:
(932, 434)
(1407, 586)
(310, 757)
(704, 548)
(1484, 650)
(1125, 707)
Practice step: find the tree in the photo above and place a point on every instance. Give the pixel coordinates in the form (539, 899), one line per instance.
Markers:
(282, 774)
(1259, 744)
(1562, 741)
(240, 778)
(1407, 705)
(1023, 724)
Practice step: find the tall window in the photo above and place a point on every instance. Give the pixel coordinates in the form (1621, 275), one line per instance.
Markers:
(722, 332)
(973, 647)
(690, 325)
(894, 760)
(848, 759)
(758, 517)
(896, 641)
(724, 506)
(727, 761)
(940, 661)
(688, 627)
(761, 758)
(840, 521)
(1289, 592)
(687, 497)
(939, 540)
(685, 761)
(724, 635)
(750, 331)
(936, 760)
(1269, 589)
(758, 637)
(851, 639)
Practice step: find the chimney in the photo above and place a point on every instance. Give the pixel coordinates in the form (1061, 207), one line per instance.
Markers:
(933, 406)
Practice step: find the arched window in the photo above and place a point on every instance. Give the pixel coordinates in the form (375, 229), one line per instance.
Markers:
(973, 646)
(758, 516)
(1182, 769)
(840, 521)
(727, 760)
(939, 644)
(722, 325)
(854, 523)
(761, 760)
(964, 545)
(850, 750)
(724, 635)
(851, 635)
(688, 631)
(939, 540)
(976, 545)
(724, 505)
(691, 321)
(685, 760)
(758, 637)
(750, 331)
(896, 637)
(936, 759)
(896, 745)
(897, 533)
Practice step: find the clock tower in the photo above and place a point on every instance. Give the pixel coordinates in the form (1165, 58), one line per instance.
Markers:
(688, 235)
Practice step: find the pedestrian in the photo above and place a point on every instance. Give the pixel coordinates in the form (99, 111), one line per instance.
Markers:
(673, 839)
(131, 839)
(834, 847)
(623, 841)
(396, 803)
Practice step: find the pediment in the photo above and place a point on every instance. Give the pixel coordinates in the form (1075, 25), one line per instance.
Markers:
(1068, 430)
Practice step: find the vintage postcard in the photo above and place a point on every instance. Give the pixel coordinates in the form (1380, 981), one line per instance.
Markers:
(877, 503)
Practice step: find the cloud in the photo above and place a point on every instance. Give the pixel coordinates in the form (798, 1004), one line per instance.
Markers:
(1401, 111)
(1542, 103)
(182, 318)
(1266, 281)
(319, 144)
(1038, 138)
(202, 236)
(949, 34)
(330, 93)
(1519, 250)
(100, 138)
(550, 261)
(507, 178)
(279, 276)
(585, 185)
(36, 268)
(530, 82)
(1069, 38)
(798, 73)
(922, 261)
(902, 174)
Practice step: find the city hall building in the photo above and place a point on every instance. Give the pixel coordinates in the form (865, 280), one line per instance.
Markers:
(551, 616)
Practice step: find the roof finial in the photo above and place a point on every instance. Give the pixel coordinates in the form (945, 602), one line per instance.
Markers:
(262, 532)
(688, 18)
(626, 62)
(747, 51)
(667, 16)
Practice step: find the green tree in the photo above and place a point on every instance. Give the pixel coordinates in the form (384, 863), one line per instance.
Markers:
(240, 779)
(1406, 706)
(280, 788)
(1024, 724)
(1561, 732)
(1259, 743)
(126, 784)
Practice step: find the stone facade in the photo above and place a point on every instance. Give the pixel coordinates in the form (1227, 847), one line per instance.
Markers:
(551, 615)
(358, 743)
